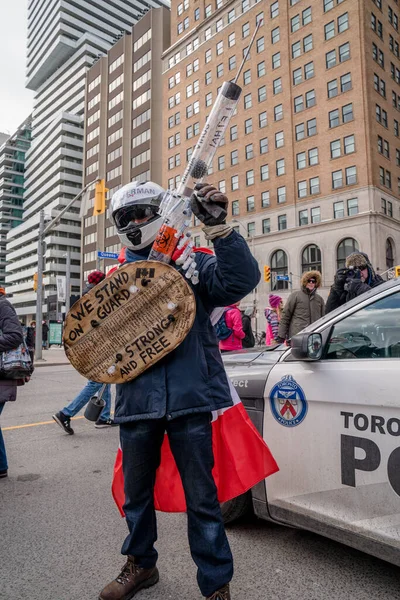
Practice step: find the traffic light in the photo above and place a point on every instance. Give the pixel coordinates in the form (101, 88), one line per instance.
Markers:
(100, 198)
(35, 278)
(397, 271)
(267, 273)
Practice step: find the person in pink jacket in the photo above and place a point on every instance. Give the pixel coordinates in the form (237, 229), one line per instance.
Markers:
(233, 319)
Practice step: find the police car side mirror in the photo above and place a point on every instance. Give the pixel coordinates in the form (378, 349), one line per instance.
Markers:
(307, 346)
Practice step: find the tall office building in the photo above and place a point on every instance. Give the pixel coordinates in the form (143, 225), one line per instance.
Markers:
(123, 122)
(311, 160)
(65, 37)
(12, 180)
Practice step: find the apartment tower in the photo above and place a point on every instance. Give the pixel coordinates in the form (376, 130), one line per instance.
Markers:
(65, 37)
(123, 123)
(311, 160)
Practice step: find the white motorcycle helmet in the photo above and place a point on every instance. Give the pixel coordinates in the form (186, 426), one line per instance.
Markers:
(137, 201)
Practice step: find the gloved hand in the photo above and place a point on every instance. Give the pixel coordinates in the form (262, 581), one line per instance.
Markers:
(353, 274)
(209, 205)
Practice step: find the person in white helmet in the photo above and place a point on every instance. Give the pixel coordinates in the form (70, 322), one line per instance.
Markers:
(177, 396)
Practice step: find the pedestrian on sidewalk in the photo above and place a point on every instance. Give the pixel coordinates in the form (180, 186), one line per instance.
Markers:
(64, 416)
(11, 337)
(233, 320)
(31, 339)
(273, 316)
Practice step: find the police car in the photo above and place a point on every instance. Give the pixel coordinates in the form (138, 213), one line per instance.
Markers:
(329, 410)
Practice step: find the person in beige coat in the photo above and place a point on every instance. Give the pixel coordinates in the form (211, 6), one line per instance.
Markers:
(302, 307)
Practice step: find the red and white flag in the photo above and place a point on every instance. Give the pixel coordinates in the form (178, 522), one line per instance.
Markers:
(241, 457)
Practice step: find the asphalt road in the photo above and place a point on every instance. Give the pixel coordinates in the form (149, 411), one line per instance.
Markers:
(60, 532)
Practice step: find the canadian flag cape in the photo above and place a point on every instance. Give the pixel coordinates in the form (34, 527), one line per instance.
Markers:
(241, 458)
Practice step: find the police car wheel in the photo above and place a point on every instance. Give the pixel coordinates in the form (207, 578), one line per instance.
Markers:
(236, 508)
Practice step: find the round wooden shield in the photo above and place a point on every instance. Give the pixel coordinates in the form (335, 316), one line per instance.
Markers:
(129, 321)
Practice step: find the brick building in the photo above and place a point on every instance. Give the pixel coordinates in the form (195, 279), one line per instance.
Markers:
(311, 160)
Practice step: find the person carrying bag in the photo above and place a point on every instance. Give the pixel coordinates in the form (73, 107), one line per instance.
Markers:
(11, 339)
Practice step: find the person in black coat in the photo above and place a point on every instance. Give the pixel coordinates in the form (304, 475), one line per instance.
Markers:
(357, 278)
(248, 341)
(11, 337)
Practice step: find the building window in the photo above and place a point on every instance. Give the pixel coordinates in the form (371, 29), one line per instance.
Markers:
(248, 126)
(251, 205)
(275, 35)
(343, 22)
(345, 248)
(233, 133)
(303, 217)
(344, 52)
(316, 215)
(261, 69)
(231, 40)
(264, 172)
(282, 222)
(235, 208)
(296, 49)
(247, 101)
(266, 225)
(314, 185)
(260, 44)
(352, 206)
(310, 99)
(250, 177)
(338, 210)
(249, 154)
(308, 43)
(309, 70)
(265, 199)
(347, 113)
(351, 175)
(298, 104)
(234, 157)
(300, 132)
(345, 82)
(262, 93)
(312, 127)
(301, 189)
(337, 179)
(251, 229)
(221, 163)
(330, 59)
(329, 30)
(234, 182)
(334, 118)
(349, 144)
(278, 112)
(311, 259)
(263, 146)
(297, 76)
(245, 30)
(280, 167)
(301, 160)
(279, 139)
(232, 62)
(336, 149)
(247, 77)
(281, 194)
(276, 60)
(274, 10)
(313, 157)
(332, 88)
(279, 266)
(277, 86)
(208, 99)
(389, 254)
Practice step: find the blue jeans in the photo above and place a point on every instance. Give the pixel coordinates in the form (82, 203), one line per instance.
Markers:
(3, 455)
(190, 439)
(83, 398)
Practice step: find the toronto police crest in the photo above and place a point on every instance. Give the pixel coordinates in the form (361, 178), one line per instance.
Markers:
(288, 402)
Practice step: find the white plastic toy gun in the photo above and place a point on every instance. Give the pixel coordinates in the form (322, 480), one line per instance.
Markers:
(175, 207)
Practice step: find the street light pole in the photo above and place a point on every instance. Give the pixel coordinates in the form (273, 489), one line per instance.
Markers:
(39, 295)
(68, 282)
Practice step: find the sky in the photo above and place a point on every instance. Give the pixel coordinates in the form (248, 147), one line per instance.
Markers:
(16, 102)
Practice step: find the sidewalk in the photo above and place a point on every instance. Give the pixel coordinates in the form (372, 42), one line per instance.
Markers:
(52, 357)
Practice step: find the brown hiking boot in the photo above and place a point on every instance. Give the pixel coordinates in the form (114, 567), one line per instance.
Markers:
(131, 579)
(221, 594)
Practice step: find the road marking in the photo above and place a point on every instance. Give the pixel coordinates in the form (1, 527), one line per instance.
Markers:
(34, 424)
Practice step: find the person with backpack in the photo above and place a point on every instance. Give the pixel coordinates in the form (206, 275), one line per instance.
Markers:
(11, 337)
(248, 340)
(232, 334)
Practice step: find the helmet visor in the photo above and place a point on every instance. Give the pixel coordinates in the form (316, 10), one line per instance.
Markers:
(136, 213)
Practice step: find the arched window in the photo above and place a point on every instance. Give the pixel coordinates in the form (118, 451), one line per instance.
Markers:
(346, 247)
(389, 254)
(311, 259)
(279, 266)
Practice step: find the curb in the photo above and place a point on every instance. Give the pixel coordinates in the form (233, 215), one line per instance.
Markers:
(50, 364)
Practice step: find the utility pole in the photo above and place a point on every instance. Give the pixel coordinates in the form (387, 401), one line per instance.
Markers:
(68, 282)
(39, 295)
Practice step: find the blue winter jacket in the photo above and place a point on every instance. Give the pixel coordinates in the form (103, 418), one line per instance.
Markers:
(192, 377)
